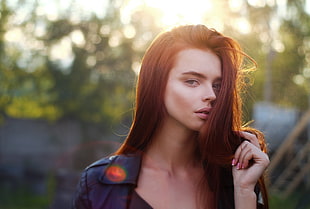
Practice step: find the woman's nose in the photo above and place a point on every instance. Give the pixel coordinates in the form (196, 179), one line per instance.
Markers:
(209, 95)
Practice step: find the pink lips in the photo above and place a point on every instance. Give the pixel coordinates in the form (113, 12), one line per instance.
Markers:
(203, 113)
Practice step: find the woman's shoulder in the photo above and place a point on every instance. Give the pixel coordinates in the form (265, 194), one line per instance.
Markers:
(115, 169)
(99, 185)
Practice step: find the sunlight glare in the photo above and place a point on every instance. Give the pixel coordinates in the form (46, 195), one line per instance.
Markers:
(62, 52)
(307, 6)
(257, 3)
(235, 5)
(129, 31)
(306, 72)
(243, 25)
(14, 35)
(77, 38)
(298, 79)
(175, 12)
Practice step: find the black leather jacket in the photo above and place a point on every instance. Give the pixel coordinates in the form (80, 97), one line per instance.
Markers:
(109, 182)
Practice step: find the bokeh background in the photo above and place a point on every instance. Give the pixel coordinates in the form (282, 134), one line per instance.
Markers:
(67, 75)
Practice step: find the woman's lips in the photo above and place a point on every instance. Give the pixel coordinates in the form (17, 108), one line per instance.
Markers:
(203, 113)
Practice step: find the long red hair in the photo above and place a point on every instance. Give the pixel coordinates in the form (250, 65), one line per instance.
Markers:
(218, 138)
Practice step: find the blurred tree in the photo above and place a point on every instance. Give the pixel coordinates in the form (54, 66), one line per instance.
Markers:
(276, 35)
(283, 53)
(79, 69)
(96, 85)
(82, 67)
(292, 77)
(4, 72)
(250, 23)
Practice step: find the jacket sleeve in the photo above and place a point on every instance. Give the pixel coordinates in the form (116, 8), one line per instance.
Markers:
(81, 200)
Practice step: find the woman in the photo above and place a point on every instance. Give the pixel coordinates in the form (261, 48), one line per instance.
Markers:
(186, 148)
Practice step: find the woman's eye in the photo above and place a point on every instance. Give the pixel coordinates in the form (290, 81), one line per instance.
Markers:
(217, 86)
(192, 82)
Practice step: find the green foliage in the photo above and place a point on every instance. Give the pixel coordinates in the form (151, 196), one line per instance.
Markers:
(277, 202)
(21, 198)
(94, 85)
(279, 42)
(294, 201)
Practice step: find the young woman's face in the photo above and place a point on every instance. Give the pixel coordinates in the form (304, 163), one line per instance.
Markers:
(192, 86)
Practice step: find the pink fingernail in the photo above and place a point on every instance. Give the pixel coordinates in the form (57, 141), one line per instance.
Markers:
(233, 162)
(238, 166)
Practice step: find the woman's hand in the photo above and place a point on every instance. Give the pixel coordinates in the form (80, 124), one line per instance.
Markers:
(249, 163)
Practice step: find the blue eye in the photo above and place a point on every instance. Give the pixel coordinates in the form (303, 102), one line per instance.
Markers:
(192, 82)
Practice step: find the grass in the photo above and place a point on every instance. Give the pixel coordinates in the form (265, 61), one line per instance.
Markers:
(298, 200)
(22, 197)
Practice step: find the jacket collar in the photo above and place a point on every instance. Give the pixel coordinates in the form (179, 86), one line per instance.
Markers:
(121, 169)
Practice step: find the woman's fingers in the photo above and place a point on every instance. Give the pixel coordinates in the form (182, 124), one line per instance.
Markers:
(249, 136)
(243, 155)
(249, 163)
(247, 154)
(246, 158)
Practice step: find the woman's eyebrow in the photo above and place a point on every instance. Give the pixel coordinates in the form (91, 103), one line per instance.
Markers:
(194, 73)
(218, 79)
(200, 75)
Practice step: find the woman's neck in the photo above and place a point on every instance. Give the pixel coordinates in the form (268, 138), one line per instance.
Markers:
(172, 149)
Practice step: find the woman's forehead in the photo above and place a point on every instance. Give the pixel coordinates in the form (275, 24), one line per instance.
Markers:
(197, 61)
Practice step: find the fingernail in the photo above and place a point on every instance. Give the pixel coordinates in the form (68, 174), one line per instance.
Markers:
(233, 163)
(238, 166)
